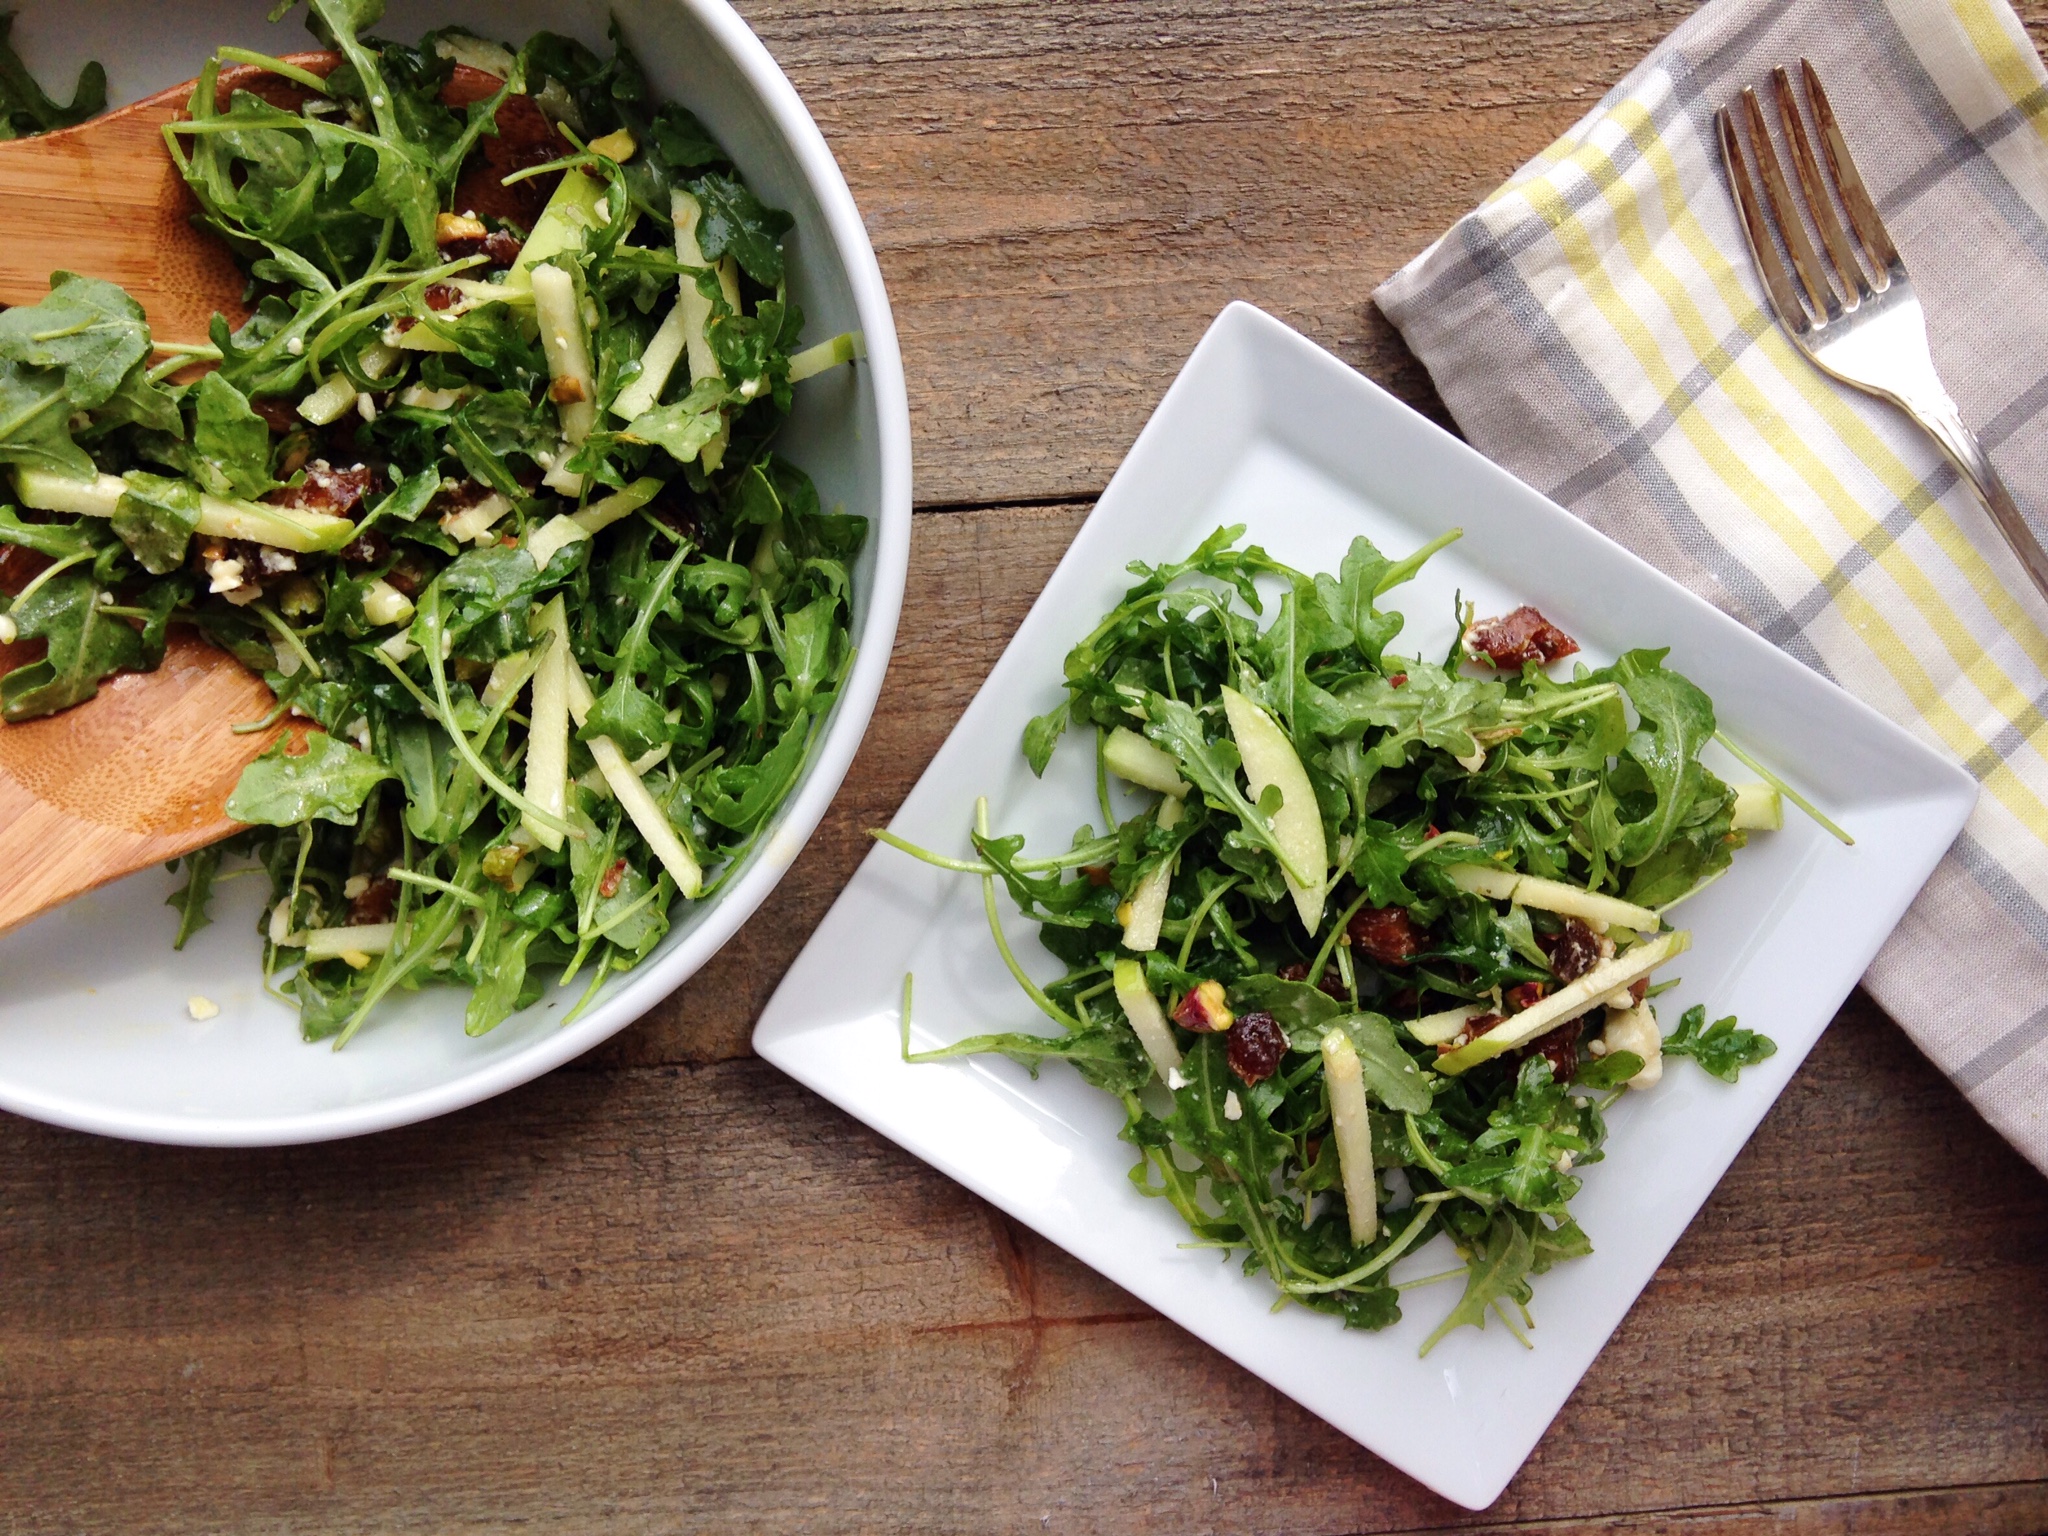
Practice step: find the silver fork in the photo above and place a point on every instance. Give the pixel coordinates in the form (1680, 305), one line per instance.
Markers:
(1871, 332)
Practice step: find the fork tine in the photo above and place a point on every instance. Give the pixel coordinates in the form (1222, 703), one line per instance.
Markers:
(1862, 212)
(1832, 236)
(1756, 228)
(1805, 260)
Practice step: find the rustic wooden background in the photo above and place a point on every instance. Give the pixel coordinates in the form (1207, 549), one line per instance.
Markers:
(665, 1289)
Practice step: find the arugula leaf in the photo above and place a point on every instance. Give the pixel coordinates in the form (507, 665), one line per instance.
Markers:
(89, 329)
(230, 442)
(24, 107)
(1719, 1048)
(1609, 1071)
(1391, 1075)
(443, 795)
(628, 716)
(1496, 1271)
(191, 898)
(57, 540)
(738, 224)
(1043, 734)
(155, 519)
(1350, 599)
(685, 426)
(35, 421)
(84, 645)
(327, 782)
(1678, 720)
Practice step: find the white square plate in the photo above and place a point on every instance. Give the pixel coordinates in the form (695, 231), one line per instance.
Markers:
(1265, 428)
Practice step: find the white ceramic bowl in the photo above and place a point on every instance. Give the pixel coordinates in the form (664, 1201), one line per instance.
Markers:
(94, 1027)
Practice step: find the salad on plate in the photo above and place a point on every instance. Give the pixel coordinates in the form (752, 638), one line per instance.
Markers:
(484, 487)
(1381, 940)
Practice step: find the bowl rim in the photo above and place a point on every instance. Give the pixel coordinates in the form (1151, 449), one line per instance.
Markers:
(832, 753)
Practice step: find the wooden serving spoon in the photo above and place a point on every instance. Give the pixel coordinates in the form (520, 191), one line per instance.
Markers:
(141, 773)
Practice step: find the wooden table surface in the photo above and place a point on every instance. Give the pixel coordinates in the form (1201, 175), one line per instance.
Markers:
(665, 1289)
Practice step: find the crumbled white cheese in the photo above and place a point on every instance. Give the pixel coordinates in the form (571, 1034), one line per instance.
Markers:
(106, 599)
(9, 631)
(226, 575)
(1564, 1162)
(276, 561)
(1232, 1110)
(202, 1007)
(1174, 1080)
(296, 345)
(354, 886)
(366, 408)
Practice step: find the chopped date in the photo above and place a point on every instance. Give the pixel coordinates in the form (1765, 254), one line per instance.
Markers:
(278, 414)
(374, 903)
(442, 296)
(1098, 874)
(525, 138)
(1514, 639)
(608, 882)
(1574, 950)
(1388, 934)
(335, 492)
(1256, 1045)
(502, 248)
(1522, 994)
(1473, 1029)
(1559, 1047)
(367, 548)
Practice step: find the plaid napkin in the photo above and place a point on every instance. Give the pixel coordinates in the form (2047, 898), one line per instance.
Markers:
(1596, 327)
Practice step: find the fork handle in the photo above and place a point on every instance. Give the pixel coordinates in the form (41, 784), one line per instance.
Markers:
(1945, 424)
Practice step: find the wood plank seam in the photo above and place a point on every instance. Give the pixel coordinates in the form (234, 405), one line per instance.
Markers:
(1688, 1514)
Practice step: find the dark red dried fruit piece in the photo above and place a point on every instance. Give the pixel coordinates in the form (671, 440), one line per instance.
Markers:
(1387, 934)
(441, 296)
(336, 492)
(1329, 982)
(502, 247)
(365, 549)
(1098, 874)
(1522, 636)
(1522, 994)
(1472, 1031)
(374, 903)
(1256, 1045)
(278, 414)
(1573, 951)
(524, 138)
(608, 882)
(1559, 1047)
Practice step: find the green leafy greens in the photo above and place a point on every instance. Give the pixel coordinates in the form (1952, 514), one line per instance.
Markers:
(452, 474)
(1493, 838)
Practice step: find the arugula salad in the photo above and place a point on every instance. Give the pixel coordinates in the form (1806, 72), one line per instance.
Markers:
(1378, 947)
(484, 487)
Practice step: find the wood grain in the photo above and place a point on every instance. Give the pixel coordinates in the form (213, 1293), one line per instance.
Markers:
(701, 1300)
(137, 775)
(667, 1290)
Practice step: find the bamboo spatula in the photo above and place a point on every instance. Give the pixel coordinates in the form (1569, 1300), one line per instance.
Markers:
(142, 772)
